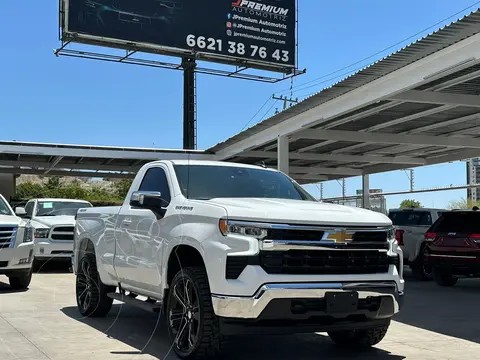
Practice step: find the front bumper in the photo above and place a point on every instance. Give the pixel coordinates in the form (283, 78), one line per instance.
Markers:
(17, 259)
(47, 249)
(253, 307)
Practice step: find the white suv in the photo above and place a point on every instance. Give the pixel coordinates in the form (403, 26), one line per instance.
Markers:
(16, 247)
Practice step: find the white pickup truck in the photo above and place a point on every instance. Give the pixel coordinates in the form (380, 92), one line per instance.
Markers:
(16, 247)
(410, 227)
(53, 221)
(226, 249)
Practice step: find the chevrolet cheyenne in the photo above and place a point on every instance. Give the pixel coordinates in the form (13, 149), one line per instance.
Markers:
(53, 221)
(224, 249)
(16, 247)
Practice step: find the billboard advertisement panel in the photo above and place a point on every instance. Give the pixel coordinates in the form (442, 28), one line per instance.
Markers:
(259, 33)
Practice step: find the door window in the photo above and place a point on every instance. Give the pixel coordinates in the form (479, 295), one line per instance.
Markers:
(155, 179)
(29, 208)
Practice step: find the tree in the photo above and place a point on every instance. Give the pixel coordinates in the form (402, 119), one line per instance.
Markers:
(462, 204)
(408, 204)
(122, 186)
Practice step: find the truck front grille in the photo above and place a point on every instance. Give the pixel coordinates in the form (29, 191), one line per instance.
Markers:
(62, 233)
(8, 234)
(312, 262)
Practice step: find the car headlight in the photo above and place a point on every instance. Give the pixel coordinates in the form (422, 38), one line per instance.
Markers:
(242, 228)
(42, 233)
(28, 234)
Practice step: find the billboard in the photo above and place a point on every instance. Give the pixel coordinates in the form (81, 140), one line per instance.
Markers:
(258, 34)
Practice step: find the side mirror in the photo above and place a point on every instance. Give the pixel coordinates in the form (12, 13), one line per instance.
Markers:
(20, 211)
(151, 200)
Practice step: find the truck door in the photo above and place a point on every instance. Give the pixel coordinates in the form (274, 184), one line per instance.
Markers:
(138, 258)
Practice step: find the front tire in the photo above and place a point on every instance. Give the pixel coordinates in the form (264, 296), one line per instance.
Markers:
(192, 324)
(20, 282)
(91, 293)
(444, 278)
(362, 338)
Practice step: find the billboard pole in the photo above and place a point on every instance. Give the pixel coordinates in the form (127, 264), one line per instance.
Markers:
(189, 114)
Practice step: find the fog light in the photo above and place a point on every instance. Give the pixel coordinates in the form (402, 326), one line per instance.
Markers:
(24, 261)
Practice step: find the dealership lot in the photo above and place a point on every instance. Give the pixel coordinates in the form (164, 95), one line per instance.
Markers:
(43, 323)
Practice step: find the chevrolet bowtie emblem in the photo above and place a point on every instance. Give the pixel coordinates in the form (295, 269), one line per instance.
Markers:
(339, 236)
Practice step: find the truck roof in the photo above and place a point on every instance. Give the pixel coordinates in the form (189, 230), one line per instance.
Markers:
(69, 200)
(217, 163)
(418, 209)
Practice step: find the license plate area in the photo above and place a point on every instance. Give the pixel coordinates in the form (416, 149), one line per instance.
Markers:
(341, 302)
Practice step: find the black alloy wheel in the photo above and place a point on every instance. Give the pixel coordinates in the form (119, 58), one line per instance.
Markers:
(85, 285)
(184, 316)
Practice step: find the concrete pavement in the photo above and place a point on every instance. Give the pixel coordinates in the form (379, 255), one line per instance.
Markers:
(43, 323)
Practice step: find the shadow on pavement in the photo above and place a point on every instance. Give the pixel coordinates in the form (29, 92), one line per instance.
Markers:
(5, 287)
(52, 267)
(146, 332)
(450, 311)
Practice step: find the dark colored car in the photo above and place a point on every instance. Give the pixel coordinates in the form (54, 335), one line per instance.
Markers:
(453, 246)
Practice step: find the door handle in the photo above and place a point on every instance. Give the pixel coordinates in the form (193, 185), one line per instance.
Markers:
(127, 222)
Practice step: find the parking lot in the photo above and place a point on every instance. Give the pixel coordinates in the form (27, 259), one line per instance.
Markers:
(43, 323)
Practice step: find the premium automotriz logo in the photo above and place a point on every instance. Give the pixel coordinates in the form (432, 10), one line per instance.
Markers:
(255, 6)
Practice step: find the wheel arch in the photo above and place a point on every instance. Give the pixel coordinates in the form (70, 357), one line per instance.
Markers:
(181, 255)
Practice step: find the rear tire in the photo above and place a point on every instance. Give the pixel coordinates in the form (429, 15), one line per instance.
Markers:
(421, 270)
(192, 310)
(444, 278)
(362, 338)
(91, 293)
(20, 282)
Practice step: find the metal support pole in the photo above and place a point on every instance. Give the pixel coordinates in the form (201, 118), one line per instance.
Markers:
(366, 192)
(189, 118)
(283, 154)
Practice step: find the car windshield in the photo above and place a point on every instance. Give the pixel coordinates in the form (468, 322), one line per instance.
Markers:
(410, 218)
(458, 222)
(57, 208)
(4, 208)
(203, 182)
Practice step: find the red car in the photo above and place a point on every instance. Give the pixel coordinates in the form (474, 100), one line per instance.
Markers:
(453, 246)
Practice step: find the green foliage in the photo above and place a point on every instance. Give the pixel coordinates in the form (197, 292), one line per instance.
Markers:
(52, 187)
(408, 204)
(122, 187)
(463, 204)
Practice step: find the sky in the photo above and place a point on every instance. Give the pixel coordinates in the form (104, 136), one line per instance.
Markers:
(44, 98)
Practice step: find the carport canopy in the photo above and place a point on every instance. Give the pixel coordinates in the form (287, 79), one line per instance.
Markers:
(419, 106)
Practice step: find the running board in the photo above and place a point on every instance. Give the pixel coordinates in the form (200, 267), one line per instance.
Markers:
(153, 306)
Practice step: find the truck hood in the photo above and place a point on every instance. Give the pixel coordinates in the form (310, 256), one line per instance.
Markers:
(50, 221)
(300, 212)
(10, 220)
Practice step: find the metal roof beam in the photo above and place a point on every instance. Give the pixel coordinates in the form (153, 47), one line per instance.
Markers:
(81, 166)
(54, 163)
(435, 97)
(84, 174)
(407, 77)
(383, 138)
(340, 158)
(401, 149)
(312, 178)
(313, 170)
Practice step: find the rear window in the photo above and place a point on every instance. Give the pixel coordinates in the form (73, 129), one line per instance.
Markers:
(459, 222)
(410, 218)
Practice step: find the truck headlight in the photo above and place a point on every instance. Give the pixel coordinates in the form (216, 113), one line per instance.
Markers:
(242, 228)
(27, 234)
(42, 233)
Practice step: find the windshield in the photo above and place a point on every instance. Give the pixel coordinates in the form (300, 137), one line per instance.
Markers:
(4, 208)
(57, 208)
(202, 182)
(410, 218)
